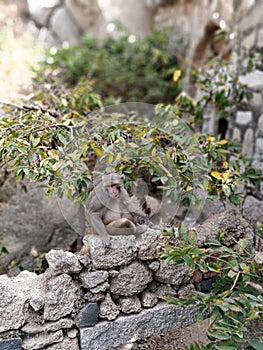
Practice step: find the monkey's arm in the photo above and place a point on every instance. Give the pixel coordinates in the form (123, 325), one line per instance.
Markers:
(95, 212)
(131, 205)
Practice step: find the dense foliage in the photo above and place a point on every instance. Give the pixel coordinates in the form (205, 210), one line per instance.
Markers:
(140, 71)
(236, 298)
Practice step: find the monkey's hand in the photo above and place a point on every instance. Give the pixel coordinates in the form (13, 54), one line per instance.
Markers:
(143, 221)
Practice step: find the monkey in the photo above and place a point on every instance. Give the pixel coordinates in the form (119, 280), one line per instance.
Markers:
(111, 211)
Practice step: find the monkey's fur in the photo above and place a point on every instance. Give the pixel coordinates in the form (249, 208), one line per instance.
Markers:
(110, 210)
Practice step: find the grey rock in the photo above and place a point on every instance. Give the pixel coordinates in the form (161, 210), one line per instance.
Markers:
(230, 222)
(236, 134)
(253, 209)
(42, 340)
(260, 122)
(94, 298)
(154, 265)
(243, 117)
(248, 143)
(164, 291)
(122, 251)
(169, 273)
(40, 12)
(60, 261)
(15, 292)
(11, 344)
(88, 16)
(185, 290)
(64, 26)
(88, 316)
(35, 328)
(149, 299)
(91, 279)
(60, 298)
(131, 280)
(253, 79)
(100, 288)
(72, 333)
(150, 244)
(108, 309)
(162, 318)
(259, 146)
(28, 219)
(130, 305)
(65, 344)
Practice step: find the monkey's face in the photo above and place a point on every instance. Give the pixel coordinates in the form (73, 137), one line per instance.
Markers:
(113, 191)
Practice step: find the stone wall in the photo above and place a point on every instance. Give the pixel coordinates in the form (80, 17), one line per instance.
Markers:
(102, 298)
(247, 127)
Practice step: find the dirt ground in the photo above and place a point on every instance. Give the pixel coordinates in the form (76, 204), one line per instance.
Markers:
(176, 340)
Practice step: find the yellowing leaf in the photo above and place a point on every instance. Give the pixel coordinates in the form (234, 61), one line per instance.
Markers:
(110, 160)
(118, 156)
(226, 175)
(225, 165)
(53, 154)
(64, 102)
(217, 175)
(189, 188)
(176, 76)
(222, 142)
(210, 138)
(154, 152)
(99, 152)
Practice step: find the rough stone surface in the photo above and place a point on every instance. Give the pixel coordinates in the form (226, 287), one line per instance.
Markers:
(162, 318)
(260, 123)
(108, 309)
(149, 299)
(60, 261)
(253, 208)
(121, 252)
(259, 146)
(185, 290)
(60, 298)
(11, 344)
(42, 340)
(131, 280)
(130, 305)
(40, 12)
(65, 344)
(88, 316)
(163, 290)
(253, 79)
(34, 328)
(150, 244)
(168, 273)
(88, 16)
(248, 143)
(100, 288)
(28, 219)
(64, 27)
(91, 279)
(243, 117)
(15, 292)
(154, 265)
(231, 222)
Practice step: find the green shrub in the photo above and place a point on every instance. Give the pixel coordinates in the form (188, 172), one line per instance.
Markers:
(141, 71)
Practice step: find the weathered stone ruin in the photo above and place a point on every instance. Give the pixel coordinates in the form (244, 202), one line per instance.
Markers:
(102, 298)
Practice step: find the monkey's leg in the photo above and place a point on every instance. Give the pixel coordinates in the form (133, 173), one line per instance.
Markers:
(121, 226)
